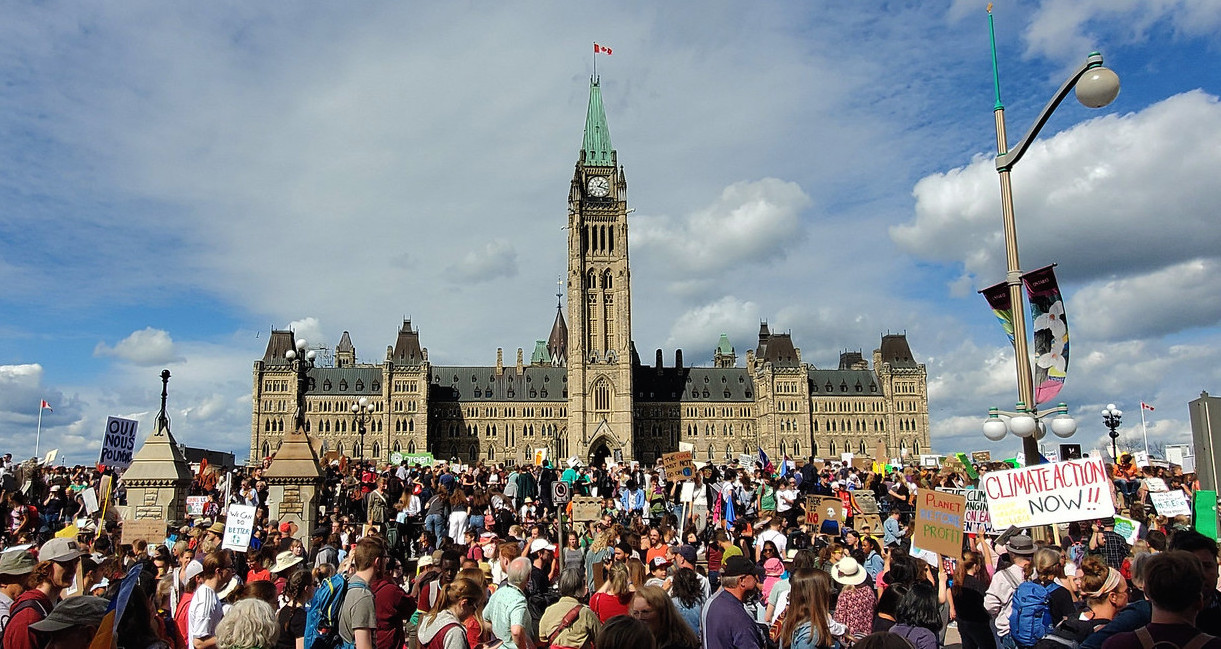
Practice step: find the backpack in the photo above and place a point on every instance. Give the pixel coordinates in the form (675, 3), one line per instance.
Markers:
(21, 606)
(322, 617)
(1069, 634)
(1030, 618)
(1146, 640)
(438, 640)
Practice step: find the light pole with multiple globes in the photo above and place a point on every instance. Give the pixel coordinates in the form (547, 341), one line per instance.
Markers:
(302, 360)
(1112, 417)
(1096, 86)
(362, 412)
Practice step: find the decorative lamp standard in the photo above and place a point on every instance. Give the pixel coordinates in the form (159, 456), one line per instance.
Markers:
(1096, 86)
(302, 360)
(1029, 426)
(362, 412)
(1112, 417)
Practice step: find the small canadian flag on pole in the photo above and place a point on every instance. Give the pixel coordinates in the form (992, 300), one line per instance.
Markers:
(45, 406)
(1146, 406)
(602, 49)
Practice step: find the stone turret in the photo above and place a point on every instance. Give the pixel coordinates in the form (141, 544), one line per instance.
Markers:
(159, 475)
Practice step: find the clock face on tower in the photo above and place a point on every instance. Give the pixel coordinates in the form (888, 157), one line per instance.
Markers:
(598, 186)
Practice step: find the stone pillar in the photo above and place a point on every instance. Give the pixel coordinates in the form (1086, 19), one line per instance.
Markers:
(294, 482)
(159, 476)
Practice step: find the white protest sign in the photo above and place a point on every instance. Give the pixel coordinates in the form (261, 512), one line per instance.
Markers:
(686, 446)
(1188, 464)
(1046, 494)
(747, 459)
(1171, 503)
(238, 527)
(91, 500)
(1127, 528)
(119, 442)
(1155, 485)
(196, 504)
(50, 456)
(975, 518)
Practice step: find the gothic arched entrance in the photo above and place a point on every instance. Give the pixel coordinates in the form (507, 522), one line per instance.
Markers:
(598, 453)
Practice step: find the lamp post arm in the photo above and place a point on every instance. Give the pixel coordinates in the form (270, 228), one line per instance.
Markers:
(1005, 161)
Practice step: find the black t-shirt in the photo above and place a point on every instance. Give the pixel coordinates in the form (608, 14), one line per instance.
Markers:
(969, 600)
(291, 621)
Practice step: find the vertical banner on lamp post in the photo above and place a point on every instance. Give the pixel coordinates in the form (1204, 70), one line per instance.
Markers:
(998, 298)
(1050, 333)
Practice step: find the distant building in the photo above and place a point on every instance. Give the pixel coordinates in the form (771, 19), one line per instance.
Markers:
(585, 391)
(215, 458)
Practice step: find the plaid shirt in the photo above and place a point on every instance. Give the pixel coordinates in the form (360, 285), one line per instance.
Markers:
(1113, 548)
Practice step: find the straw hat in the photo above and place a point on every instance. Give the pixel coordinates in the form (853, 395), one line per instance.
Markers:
(848, 572)
(285, 560)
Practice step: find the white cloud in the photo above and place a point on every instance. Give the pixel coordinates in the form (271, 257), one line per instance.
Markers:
(496, 260)
(751, 222)
(1068, 29)
(1182, 296)
(309, 328)
(145, 347)
(698, 329)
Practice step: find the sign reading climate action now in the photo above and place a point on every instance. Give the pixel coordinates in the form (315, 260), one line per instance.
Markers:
(119, 442)
(1046, 494)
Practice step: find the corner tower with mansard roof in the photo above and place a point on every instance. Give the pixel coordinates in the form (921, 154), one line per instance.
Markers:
(599, 296)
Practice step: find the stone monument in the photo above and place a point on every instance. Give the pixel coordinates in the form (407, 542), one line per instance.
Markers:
(159, 475)
(294, 478)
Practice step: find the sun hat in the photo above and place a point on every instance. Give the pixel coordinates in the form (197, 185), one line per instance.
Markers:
(229, 587)
(84, 610)
(16, 562)
(285, 560)
(217, 528)
(773, 567)
(59, 549)
(424, 561)
(1021, 545)
(848, 572)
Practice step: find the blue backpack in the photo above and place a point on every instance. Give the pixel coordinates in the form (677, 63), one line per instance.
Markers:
(322, 616)
(1030, 618)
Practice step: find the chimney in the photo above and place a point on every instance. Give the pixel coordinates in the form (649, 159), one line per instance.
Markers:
(678, 358)
(657, 363)
(520, 366)
(500, 361)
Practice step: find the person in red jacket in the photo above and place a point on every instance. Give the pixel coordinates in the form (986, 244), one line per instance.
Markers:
(394, 607)
(57, 564)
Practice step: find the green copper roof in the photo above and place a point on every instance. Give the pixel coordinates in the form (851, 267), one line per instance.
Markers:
(540, 354)
(597, 144)
(723, 345)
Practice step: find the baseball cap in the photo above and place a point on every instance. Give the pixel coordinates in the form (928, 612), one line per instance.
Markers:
(194, 568)
(736, 566)
(84, 610)
(658, 562)
(541, 544)
(688, 553)
(59, 549)
(16, 562)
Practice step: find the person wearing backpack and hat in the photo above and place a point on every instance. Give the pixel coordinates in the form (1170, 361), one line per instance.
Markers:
(73, 623)
(15, 567)
(1039, 603)
(56, 568)
(998, 601)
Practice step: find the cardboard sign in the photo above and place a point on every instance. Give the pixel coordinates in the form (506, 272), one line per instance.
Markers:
(865, 502)
(823, 508)
(939, 522)
(1046, 494)
(678, 466)
(879, 452)
(980, 457)
(118, 442)
(871, 521)
(586, 508)
(1171, 503)
(196, 504)
(151, 530)
(862, 463)
(975, 517)
(239, 525)
(1127, 528)
(1156, 485)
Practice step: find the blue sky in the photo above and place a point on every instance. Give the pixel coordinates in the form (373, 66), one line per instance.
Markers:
(175, 180)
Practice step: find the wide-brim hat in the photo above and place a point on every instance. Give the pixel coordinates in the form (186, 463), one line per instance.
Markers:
(1021, 545)
(285, 560)
(217, 528)
(85, 610)
(229, 587)
(17, 562)
(848, 572)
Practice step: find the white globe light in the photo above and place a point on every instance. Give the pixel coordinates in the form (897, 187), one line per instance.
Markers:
(1063, 426)
(301, 344)
(995, 430)
(1098, 87)
(290, 354)
(1023, 425)
(311, 355)
(1110, 406)
(355, 408)
(1117, 413)
(363, 402)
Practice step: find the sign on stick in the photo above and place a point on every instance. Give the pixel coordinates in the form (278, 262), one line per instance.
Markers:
(678, 466)
(196, 504)
(1127, 528)
(823, 508)
(119, 442)
(1046, 494)
(151, 530)
(239, 525)
(1171, 503)
(939, 522)
(980, 457)
(975, 518)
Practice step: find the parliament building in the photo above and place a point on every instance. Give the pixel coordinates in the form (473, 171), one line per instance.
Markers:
(585, 391)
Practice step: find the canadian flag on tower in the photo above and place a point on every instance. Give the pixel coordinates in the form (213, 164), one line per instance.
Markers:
(1146, 406)
(45, 406)
(600, 49)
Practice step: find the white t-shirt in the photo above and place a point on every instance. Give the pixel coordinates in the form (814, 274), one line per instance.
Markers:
(205, 613)
(785, 499)
(775, 536)
(5, 603)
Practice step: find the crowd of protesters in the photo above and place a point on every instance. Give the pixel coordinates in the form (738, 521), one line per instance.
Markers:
(463, 557)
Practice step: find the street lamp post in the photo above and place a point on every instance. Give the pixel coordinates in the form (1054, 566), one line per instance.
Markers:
(302, 359)
(1112, 417)
(1096, 86)
(362, 412)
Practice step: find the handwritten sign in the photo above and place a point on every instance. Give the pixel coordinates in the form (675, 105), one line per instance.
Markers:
(1046, 494)
(586, 508)
(979, 457)
(1171, 503)
(1156, 485)
(939, 522)
(119, 442)
(1127, 528)
(196, 504)
(239, 525)
(151, 530)
(747, 460)
(90, 497)
(678, 466)
(975, 517)
(823, 508)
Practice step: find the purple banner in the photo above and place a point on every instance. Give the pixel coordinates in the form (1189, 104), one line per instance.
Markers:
(1050, 333)
(998, 298)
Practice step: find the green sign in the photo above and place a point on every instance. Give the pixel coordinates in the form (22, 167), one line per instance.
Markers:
(396, 458)
(412, 459)
(1206, 513)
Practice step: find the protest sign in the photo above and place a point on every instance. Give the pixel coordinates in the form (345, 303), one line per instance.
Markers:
(979, 457)
(1141, 458)
(50, 456)
(119, 442)
(1127, 528)
(421, 459)
(879, 451)
(586, 508)
(151, 530)
(1155, 485)
(686, 446)
(975, 518)
(939, 522)
(239, 525)
(747, 460)
(1171, 503)
(678, 466)
(862, 463)
(1206, 513)
(540, 456)
(195, 505)
(1045, 494)
(91, 500)
(846, 458)
(823, 508)
(1070, 451)
(1188, 464)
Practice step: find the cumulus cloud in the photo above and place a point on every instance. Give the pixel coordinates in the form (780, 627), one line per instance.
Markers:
(698, 329)
(494, 260)
(310, 329)
(145, 347)
(1086, 198)
(751, 222)
(1165, 301)
(1064, 29)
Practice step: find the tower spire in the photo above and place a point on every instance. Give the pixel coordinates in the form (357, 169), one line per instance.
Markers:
(596, 146)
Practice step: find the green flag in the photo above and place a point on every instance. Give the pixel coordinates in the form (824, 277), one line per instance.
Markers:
(1206, 513)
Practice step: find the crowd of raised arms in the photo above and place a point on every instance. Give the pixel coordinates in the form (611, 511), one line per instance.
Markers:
(464, 557)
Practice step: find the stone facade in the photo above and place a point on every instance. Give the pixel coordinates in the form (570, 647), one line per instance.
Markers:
(586, 392)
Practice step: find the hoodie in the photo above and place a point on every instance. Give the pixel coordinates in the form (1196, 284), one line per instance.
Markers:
(455, 638)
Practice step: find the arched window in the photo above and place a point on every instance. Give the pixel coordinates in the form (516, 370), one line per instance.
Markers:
(832, 449)
(711, 453)
(266, 449)
(339, 448)
(591, 280)
(377, 450)
(492, 453)
(473, 453)
(397, 447)
(411, 446)
(783, 450)
(606, 280)
(796, 449)
(602, 395)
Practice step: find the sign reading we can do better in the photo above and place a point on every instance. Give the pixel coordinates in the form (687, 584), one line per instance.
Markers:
(1046, 494)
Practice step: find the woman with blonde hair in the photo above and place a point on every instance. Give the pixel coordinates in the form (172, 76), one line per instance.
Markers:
(615, 596)
(458, 602)
(653, 606)
(249, 624)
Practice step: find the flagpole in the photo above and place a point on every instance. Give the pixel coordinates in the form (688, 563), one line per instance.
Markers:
(595, 61)
(1144, 431)
(38, 434)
